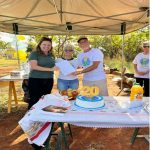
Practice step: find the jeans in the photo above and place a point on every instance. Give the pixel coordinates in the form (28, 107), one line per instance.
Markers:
(66, 84)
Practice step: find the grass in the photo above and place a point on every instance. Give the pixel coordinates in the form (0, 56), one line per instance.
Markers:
(112, 63)
(5, 66)
(117, 63)
(9, 62)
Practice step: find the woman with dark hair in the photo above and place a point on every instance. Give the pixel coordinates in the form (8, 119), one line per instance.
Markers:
(42, 68)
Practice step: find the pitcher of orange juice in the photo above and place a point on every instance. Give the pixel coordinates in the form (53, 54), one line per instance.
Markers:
(136, 92)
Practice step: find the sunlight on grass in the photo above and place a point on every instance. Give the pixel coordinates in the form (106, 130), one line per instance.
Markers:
(117, 63)
(8, 62)
(4, 97)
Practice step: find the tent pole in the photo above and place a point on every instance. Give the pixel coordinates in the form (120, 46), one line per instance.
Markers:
(123, 29)
(122, 65)
(15, 29)
(16, 46)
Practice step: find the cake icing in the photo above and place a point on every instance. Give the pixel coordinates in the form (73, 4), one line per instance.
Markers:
(92, 103)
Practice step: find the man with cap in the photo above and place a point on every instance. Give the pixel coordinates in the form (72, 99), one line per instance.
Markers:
(141, 66)
(91, 60)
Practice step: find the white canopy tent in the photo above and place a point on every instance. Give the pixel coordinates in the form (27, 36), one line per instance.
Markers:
(73, 17)
(61, 17)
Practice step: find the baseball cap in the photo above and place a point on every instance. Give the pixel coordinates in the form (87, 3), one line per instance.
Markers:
(81, 38)
(146, 43)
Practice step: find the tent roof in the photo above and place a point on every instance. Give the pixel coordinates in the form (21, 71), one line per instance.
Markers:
(54, 17)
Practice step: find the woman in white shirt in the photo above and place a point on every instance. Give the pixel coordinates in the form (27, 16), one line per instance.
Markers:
(65, 82)
(141, 66)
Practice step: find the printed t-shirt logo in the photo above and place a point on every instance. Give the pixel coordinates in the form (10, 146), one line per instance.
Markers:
(144, 62)
(86, 61)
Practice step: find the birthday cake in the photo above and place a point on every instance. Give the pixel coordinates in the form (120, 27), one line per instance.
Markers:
(89, 98)
(91, 103)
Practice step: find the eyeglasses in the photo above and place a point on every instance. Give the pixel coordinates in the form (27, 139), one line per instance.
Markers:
(145, 46)
(68, 50)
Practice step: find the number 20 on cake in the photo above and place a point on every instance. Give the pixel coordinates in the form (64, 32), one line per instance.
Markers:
(89, 98)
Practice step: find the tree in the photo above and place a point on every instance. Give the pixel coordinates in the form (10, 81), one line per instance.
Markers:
(133, 43)
(4, 46)
(111, 45)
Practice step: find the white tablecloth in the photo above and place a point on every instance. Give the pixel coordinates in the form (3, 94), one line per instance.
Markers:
(115, 114)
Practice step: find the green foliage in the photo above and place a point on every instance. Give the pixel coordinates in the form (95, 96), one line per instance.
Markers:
(113, 63)
(117, 63)
(133, 43)
(30, 48)
(4, 45)
(37, 38)
(60, 41)
(111, 46)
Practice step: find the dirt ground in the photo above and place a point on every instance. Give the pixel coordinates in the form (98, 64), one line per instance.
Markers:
(13, 138)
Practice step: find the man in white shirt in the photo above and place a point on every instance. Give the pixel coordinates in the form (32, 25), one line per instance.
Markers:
(91, 60)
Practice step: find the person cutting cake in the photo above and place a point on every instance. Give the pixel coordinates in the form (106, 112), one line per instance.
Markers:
(91, 60)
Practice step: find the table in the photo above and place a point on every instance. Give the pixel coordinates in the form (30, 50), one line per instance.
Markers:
(12, 91)
(115, 114)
